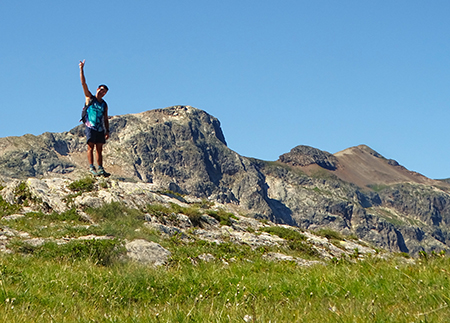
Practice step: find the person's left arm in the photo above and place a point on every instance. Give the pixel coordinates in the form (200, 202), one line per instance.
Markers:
(105, 117)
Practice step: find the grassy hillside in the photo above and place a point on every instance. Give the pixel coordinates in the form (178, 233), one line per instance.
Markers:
(90, 280)
(34, 289)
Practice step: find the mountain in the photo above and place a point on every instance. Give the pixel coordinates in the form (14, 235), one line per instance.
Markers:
(183, 150)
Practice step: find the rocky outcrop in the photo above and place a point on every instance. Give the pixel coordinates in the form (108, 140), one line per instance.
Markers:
(305, 155)
(238, 230)
(182, 150)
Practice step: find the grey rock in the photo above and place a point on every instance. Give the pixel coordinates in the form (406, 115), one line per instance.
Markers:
(206, 257)
(145, 252)
(275, 256)
(305, 155)
(13, 217)
(169, 230)
(85, 217)
(214, 236)
(35, 242)
(209, 220)
(93, 237)
(183, 221)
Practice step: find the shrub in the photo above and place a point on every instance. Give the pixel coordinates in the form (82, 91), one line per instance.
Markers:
(194, 215)
(285, 233)
(114, 211)
(295, 240)
(161, 211)
(174, 195)
(102, 251)
(69, 215)
(6, 208)
(330, 234)
(24, 196)
(222, 216)
(158, 210)
(303, 248)
(204, 204)
(85, 184)
(116, 219)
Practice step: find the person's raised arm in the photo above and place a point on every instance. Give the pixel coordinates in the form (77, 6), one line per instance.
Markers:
(87, 93)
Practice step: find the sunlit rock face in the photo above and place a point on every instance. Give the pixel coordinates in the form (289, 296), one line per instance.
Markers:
(182, 150)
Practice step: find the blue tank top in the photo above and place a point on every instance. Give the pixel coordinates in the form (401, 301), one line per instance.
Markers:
(95, 115)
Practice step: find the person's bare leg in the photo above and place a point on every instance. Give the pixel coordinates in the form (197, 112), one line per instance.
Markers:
(99, 150)
(90, 153)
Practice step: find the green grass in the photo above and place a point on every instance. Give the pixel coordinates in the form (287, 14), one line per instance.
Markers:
(194, 212)
(43, 290)
(222, 216)
(390, 217)
(55, 224)
(7, 208)
(101, 251)
(88, 281)
(330, 234)
(295, 241)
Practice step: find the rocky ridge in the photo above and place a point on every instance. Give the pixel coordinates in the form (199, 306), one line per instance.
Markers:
(183, 150)
(42, 195)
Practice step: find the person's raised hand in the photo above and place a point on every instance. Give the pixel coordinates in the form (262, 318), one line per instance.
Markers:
(82, 63)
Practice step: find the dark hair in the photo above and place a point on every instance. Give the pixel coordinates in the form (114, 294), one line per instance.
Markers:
(103, 85)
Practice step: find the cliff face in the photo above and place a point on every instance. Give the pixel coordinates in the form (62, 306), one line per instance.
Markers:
(183, 150)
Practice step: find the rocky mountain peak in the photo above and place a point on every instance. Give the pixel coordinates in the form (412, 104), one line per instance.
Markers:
(182, 150)
(363, 149)
(364, 167)
(306, 155)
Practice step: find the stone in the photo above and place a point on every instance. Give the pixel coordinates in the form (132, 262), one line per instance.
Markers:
(209, 220)
(276, 256)
(147, 252)
(35, 242)
(13, 217)
(206, 257)
(169, 230)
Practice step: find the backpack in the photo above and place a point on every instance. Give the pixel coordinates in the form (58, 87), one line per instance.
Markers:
(84, 111)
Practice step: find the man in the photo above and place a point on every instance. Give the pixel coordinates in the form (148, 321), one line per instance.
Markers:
(96, 121)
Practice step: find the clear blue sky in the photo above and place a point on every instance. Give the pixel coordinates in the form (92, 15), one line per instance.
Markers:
(277, 74)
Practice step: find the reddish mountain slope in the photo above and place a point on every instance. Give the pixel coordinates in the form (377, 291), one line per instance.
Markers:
(363, 166)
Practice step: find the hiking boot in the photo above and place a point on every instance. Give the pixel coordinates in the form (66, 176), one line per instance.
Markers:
(101, 171)
(93, 171)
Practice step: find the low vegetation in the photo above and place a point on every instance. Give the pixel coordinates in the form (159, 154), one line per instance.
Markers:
(38, 288)
(23, 195)
(222, 216)
(86, 184)
(295, 241)
(89, 280)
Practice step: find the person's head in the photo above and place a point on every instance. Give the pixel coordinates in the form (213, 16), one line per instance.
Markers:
(101, 91)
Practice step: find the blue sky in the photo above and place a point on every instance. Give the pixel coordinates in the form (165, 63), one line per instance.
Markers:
(277, 74)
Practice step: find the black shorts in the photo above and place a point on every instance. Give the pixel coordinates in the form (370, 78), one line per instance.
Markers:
(96, 137)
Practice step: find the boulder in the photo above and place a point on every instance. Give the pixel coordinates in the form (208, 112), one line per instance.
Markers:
(148, 253)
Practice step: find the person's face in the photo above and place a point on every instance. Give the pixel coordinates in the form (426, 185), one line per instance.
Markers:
(101, 92)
